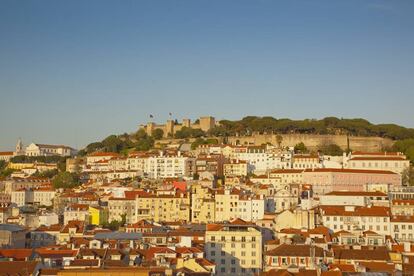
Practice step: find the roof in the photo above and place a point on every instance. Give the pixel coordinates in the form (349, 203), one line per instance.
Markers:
(350, 193)
(321, 170)
(6, 153)
(379, 254)
(117, 236)
(300, 250)
(379, 158)
(374, 211)
(18, 268)
(11, 227)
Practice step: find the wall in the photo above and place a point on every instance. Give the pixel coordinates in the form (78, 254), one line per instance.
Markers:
(312, 141)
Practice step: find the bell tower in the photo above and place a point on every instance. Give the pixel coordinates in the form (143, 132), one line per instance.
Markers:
(19, 148)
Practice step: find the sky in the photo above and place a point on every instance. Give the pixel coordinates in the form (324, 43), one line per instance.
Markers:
(74, 72)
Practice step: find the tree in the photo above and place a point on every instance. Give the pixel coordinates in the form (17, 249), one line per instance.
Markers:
(300, 148)
(65, 180)
(408, 176)
(331, 149)
(279, 140)
(144, 144)
(157, 134)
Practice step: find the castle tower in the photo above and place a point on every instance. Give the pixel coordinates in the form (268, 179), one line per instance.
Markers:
(186, 123)
(169, 128)
(207, 123)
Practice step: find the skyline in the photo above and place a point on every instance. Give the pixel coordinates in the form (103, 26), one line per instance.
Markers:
(75, 72)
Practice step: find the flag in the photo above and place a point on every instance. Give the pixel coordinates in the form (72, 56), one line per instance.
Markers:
(170, 114)
(151, 116)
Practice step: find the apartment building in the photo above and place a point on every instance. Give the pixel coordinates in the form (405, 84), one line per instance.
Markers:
(169, 166)
(235, 168)
(235, 247)
(305, 161)
(402, 227)
(355, 218)
(163, 206)
(202, 204)
(234, 203)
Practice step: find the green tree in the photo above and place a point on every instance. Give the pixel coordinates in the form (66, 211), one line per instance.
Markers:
(301, 148)
(144, 144)
(331, 149)
(408, 176)
(157, 134)
(65, 180)
(279, 140)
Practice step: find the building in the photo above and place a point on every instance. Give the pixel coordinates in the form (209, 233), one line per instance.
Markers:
(76, 212)
(202, 204)
(402, 228)
(303, 256)
(235, 247)
(305, 161)
(169, 166)
(390, 161)
(12, 236)
(49, 150)
(235, 168)
(171, 127)
(163, 206)
(342, 198)
(354, 218)
(6, 156)
(327, 180)
(234, 203)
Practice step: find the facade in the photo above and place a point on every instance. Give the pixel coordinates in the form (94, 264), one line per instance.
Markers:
(12, 236)
(352, 218)
(235, 168)
(202, 204)
(49, 150)
(390, 161)
(6, 156)
(169, 206)
(235, 248)
(169, 166)
(327, 180)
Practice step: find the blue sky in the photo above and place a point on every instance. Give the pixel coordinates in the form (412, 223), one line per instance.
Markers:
(73, 72)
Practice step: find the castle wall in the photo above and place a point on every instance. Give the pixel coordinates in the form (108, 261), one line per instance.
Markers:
(313, 141)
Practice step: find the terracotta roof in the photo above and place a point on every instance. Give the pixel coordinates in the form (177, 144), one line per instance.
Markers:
(380, 158)
(362, 193)
(6, 153)
(374, 211)
(300, 250)
(379, 254)
(16, 254)
(18, 268)
(319, 170)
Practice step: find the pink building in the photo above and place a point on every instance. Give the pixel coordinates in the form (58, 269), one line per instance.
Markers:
(327, 180)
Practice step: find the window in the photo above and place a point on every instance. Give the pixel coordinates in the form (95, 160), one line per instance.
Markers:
(213, 253)
(223, 238)
(213, 238)
(223, 261)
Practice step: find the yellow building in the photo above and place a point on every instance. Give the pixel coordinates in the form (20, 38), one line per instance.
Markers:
(174, 206)
(202, 204)
(20, 166)
(235, 248)
(98, 215)
(235, 168)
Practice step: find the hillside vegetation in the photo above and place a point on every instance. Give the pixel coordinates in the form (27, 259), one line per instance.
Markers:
(252, 124)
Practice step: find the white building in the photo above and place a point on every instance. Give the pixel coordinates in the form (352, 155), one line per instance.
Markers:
(49, 150)
(169, 166)
(389, 161)
(356, 219)
(232, 204)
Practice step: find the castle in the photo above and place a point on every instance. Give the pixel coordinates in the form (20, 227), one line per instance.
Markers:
(171, 127)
